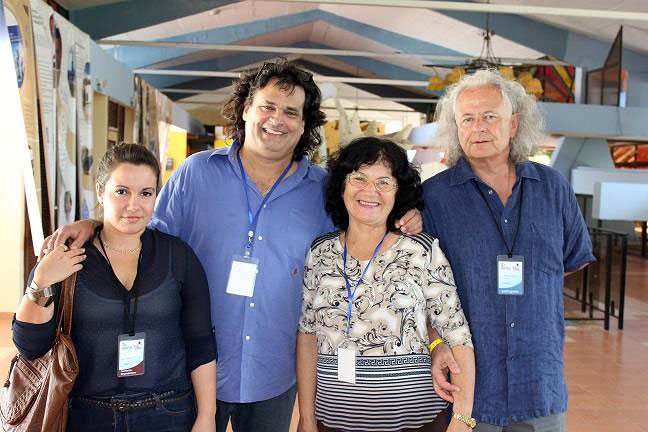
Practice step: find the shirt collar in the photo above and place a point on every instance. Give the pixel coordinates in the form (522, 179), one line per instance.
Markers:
(304, 167)
(463, 171)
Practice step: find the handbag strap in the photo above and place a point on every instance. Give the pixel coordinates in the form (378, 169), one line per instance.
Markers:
(66, 305)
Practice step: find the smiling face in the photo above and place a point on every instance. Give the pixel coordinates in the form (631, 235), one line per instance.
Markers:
(367, 205)
(274, 121)
(485, 123)
(128, 198)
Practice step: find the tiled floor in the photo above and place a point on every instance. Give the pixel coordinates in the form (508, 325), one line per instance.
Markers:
(607, 371)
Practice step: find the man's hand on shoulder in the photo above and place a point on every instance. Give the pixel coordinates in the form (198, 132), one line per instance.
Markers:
(411, 223)
(80, 232)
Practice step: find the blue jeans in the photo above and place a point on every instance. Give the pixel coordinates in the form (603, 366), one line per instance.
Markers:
(272, 415)
(176, 416)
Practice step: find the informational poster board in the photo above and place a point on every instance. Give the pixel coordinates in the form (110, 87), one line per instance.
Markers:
(63, 75)
(85, 163)
(153, 112)
(12, 129)
(18, 20)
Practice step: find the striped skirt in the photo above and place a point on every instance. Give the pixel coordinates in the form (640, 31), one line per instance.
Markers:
(390, 394)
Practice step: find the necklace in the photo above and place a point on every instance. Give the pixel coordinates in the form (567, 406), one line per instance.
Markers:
(124, 251)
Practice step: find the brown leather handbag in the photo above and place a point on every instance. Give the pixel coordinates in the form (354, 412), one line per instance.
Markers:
(35, 395)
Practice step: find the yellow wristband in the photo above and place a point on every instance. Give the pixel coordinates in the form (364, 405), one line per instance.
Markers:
(434, 343)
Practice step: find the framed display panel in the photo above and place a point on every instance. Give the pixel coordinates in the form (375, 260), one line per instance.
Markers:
(604, 85)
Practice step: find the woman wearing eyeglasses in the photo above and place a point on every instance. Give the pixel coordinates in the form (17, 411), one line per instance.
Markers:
(369, 296)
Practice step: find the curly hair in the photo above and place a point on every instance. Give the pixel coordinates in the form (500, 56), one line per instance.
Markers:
(288, 76)
(531, 127)
(368, 151)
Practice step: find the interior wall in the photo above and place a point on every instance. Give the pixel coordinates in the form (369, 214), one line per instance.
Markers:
(12, 228)
(99, 136)
(176, 153)
(129, 121)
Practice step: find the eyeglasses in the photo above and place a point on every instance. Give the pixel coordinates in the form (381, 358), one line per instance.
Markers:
(383, 184)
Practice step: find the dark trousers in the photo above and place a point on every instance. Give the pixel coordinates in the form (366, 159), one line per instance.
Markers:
(440, 424)
(272, 415)
(177, 416)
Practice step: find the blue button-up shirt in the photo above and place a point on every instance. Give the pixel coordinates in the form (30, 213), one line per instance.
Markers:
(518, 339)
(204, 204)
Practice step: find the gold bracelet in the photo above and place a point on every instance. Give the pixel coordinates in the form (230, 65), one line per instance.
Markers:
(434, 343)
(469, 421)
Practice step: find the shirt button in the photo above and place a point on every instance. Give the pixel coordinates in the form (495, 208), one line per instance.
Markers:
(260, 237)
(505, 220)
(247, 337)
(490, 192)
(252, 304)
(512, 324)
(265, 205)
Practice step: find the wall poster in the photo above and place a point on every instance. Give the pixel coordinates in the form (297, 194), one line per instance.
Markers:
(63, 71)
(18, 19)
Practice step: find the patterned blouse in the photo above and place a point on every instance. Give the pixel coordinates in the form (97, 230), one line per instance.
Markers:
(405, 285)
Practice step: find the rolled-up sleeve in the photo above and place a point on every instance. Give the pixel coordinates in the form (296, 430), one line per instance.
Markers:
(577, 245)
(443, 304)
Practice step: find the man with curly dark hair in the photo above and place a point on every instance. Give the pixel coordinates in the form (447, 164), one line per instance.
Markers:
(250, 212)
(286, 78)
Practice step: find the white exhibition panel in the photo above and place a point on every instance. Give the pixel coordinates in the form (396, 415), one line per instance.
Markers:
(584, 178)
(620, 201)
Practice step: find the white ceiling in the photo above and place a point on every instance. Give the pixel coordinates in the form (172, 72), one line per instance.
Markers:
(421, 24)
(83, 4)
(635, 33)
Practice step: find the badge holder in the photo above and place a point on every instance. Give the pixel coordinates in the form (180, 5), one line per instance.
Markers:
(346, 365)
(130, 360)
(242, 275)
(510, 275)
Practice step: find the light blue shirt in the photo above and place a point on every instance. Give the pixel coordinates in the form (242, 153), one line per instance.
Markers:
(204, 204)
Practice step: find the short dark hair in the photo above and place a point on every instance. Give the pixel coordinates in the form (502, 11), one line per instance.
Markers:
(288, 76)
(135, 154)
(368, 151)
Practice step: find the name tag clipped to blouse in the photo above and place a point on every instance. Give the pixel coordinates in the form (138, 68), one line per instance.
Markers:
(346, 365)
(242, 275)
(510, 275)
(130, 349)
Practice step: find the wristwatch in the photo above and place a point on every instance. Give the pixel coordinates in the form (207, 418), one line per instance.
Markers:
(471, 422)
(40, 296)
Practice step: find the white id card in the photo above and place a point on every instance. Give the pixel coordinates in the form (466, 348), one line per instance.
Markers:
(242, 276)
(130, 357)
(510, 275)
(346, 365)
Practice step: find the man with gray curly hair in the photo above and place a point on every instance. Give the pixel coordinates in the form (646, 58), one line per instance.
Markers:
(511, 230)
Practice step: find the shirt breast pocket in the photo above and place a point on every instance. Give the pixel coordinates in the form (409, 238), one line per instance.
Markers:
(547, 241)
(300, 229)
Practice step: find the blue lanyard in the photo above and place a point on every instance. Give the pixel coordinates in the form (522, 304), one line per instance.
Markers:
(254, 219)
(351, 294)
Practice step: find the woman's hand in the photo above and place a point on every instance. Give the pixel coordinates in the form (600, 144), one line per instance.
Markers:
(443, 362)
(307, 424)
(204, 423)
(58, 264)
